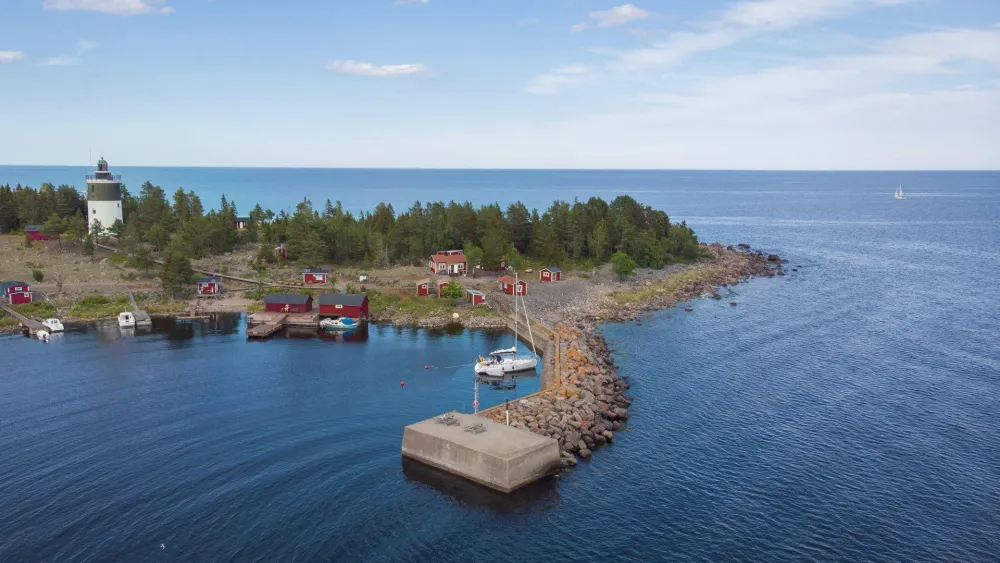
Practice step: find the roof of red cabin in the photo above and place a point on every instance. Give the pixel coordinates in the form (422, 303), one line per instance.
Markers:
(452, 259)
(508, 279)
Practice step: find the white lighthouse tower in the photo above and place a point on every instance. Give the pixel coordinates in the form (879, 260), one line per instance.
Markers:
(104, 196)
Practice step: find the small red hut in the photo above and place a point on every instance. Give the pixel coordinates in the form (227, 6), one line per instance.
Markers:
(315, 276)
(288, 303)
(209, 286)
(15, 292)
(353, 305)
(476, 297)
(35, 232)
(424, 287)
(550, 274)
(507, 286)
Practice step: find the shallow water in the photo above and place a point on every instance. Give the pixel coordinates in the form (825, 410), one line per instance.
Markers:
(847, 411)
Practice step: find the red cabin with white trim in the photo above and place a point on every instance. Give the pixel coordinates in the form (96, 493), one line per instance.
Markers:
(312, 277)
(476, 297)
(507, 286)
(448, 263)
(424, 287)
(550, 274)
(209, 286)
(15, 292)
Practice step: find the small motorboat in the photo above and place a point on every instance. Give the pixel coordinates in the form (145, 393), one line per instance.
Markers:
(126, 320)
(42, 335)
(54, 325)
(343, 323)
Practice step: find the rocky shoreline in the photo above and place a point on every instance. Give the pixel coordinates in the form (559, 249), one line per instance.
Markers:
(587, 401)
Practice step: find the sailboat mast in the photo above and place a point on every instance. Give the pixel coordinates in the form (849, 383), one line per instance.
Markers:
(515, 311)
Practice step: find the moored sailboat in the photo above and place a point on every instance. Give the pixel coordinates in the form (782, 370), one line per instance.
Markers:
(899, 192)
(507, 361)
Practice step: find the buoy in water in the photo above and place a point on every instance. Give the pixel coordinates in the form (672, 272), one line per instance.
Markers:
(427, 367)
(402, 384)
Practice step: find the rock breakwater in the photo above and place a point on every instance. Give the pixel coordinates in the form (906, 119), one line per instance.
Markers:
(587, 401)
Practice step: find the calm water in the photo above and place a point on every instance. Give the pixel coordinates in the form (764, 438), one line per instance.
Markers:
(848, 411)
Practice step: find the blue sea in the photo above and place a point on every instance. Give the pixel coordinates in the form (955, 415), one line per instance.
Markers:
(848, 411)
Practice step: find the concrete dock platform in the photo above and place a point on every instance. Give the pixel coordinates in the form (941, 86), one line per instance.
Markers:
(497, 456)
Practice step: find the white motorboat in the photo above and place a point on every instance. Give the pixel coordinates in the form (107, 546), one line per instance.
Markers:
(126, 320)
(507, 361)
(899, 192)
(42, 335)
(343, 323)
(54, 325)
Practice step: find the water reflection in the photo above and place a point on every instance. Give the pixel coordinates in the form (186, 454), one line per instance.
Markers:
(540, 496)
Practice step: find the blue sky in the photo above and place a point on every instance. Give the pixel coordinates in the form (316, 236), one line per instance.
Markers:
(756, 84)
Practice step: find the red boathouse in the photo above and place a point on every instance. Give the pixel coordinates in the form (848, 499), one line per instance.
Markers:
(209, 286)
(288, 303)
(315, 276)
(507, 286)
(353, 305)
(550, 274)
(15, 292)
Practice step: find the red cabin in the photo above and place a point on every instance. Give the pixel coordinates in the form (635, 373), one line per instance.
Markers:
(448, 263)
(507, 286)
(15, 292)
(288, 303)
(209, 286)
(35, 232)
(315, 276)
(424, 287)
(353, 305)
(476, 297)
(550, 274)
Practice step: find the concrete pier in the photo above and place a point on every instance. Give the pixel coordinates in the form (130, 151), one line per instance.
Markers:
(497, 456)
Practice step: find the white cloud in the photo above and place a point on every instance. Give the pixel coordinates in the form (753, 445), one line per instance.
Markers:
(879, 108)
(368, 69)
(115, 7)
(405, 2)
(619, 15)
(550, 82)
(740, 21)
(82, 47)
(10, 56)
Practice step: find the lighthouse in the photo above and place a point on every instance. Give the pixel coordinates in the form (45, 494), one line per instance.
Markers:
(104, 196)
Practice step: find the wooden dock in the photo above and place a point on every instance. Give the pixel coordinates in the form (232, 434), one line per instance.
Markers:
(263, 331)
(142, 318)
(32, 325)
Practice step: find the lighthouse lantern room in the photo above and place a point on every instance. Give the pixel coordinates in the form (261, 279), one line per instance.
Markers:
(104, 196)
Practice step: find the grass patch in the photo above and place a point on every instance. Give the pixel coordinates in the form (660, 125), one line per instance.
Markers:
(98, 307)
(669, 286)
(255, 308)
(381, 304)
(41, 309)
(8, 322)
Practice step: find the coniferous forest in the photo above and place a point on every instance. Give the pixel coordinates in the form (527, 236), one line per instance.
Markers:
(567, 232)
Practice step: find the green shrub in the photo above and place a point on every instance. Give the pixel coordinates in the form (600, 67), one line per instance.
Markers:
(94, 301)
(37, 275)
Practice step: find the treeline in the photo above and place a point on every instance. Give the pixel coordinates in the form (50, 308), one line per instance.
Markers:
(20, 206)
(590, 231)
(580, 232)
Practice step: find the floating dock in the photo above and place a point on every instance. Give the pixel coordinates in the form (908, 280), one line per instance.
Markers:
(480, 450)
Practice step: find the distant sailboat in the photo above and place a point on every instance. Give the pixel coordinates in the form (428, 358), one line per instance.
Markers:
(899, 192)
